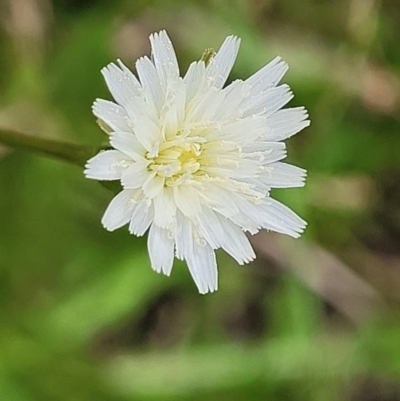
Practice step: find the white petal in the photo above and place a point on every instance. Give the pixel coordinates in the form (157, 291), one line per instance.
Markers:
(283, 175)
(268, 76)
(142, 217)
(204, 106)
(173, 111)
(268, 213)
(152, 86)
(122, 83)
(164, 57)
(274, 151)
(183, 235)
(267, 102)
(199, 256)
(127, 90)
(153, 186)
(234, 95)
(266, 152)
(280, 218)
(242, 131)
(194, 79)
(147, 132)
(242, 210)
(112, 114)
(220, 200)
(241, 171)
(287, 122)
(135, 175)
(212, 106)
(229, 163)
(222, 233)
(187, 200)
(160, 244)
(202, 265)
(119, 210)
(137, 108)
(127, 143)
(165, 209)
(108, 165)
(246, 215)
(220, 66)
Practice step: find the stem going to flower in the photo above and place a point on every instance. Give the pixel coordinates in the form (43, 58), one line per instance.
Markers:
(68, 152)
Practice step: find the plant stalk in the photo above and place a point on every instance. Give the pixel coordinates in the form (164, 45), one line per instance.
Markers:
(68, 152)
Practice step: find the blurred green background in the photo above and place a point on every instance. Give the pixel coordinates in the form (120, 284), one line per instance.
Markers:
(83, 316)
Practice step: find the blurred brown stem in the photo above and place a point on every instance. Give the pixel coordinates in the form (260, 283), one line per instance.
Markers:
(68, 152)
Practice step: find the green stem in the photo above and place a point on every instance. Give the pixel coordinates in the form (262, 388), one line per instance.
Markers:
(68, 152)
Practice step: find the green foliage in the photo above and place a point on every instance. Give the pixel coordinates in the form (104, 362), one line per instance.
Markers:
(83, 316)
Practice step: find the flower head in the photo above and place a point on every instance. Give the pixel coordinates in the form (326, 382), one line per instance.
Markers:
(197, 160)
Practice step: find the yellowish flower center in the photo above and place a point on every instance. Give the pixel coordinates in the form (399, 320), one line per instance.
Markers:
(175, 159)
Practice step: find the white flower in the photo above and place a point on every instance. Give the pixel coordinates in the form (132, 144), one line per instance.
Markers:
(196, 160)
